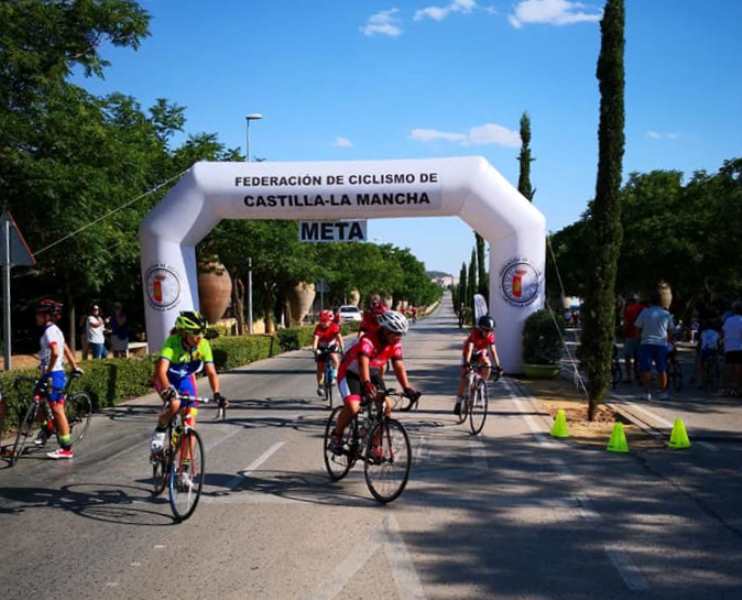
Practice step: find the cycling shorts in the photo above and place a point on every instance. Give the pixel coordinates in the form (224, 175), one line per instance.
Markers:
(481, 357)
(185, 386)
(331, 348)
(351, 389)
(57, 381)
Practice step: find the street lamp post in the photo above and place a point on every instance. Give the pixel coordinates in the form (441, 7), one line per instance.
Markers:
(248, 118)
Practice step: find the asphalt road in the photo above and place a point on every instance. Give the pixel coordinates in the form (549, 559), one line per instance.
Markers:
(509, 514)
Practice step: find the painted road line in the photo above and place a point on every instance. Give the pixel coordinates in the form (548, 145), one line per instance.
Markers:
(478, 453)
(708, 446)
(222, 439)
(253, 465)
(403, 570)
(629, 572)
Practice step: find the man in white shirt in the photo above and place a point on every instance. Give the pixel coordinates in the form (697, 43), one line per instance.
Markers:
(732, 334)
(656, 325)
(95, 329)
(52, 352)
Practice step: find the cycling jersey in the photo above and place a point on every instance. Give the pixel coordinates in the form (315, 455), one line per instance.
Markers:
(185, 362)
(481, 342)
(327, 334)
(51, 338)
(371, 347)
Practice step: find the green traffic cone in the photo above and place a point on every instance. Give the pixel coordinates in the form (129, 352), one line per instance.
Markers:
(679, 436)
(618, 442)
(560, 429)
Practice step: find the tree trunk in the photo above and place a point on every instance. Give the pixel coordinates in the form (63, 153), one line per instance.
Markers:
(238, 297)
(268, 309)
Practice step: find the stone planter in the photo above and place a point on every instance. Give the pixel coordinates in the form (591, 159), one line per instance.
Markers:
(214, 290)
(540, 371)
(300, 299)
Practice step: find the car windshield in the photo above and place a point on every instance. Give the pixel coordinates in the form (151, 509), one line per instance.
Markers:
(349, 309)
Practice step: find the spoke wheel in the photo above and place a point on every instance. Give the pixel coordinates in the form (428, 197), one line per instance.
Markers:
(25, 429)
(328, 389)
(186, 475)
(387, 460)
(478, 408)
(78, 409)
(338, 465)
(464, 406)
(159, 474)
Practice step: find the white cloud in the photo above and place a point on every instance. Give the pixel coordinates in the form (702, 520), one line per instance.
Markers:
(661, 135)
(342, 142)
(482, 135)
(553, 12)
(383, 23)
(438, 13)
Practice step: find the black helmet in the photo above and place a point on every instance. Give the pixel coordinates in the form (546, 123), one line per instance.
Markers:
(49, 307)
(486, 322)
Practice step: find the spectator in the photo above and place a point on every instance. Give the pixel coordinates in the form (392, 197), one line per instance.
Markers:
(631, 335)
(119, 326)
(732, 334)
(96, 335)
(707, 347)
(656, 326)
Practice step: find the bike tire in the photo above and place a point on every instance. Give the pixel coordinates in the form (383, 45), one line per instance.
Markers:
(183, 501)
(328, 393)
(25, 428)
(160, 473)
(478, 409)
(461, 417)
(338, 465)
(387, 462)
(78, 408)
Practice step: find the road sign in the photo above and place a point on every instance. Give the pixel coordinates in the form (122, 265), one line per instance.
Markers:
(332, 231)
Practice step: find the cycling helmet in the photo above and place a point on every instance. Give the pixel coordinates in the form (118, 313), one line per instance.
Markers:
(191, 321)
(326, 316)
(393, 322)
(48, 306)
(486, 322)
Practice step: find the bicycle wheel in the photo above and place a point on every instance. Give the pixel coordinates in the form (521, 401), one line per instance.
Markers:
(186, 475)
(338, 465)
(464, 407)
(478, 408)
(159, 473)
(387, 460)
(328, 391)
(25, 428)
(78, 409)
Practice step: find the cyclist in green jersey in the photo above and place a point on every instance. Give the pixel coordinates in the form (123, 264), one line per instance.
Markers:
(184, 354)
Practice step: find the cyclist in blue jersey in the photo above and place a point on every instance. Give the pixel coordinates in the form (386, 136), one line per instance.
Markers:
(184, 354)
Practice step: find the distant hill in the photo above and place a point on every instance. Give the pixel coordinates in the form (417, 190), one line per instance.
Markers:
(433, 274)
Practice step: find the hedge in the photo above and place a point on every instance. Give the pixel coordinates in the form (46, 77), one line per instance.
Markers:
(117, 379)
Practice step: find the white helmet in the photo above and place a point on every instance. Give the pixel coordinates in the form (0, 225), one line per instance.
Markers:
(393, 321)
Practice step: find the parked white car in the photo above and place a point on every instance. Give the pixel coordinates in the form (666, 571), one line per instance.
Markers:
(349, 312)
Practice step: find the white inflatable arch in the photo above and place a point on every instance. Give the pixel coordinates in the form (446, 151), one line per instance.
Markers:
(468, 187)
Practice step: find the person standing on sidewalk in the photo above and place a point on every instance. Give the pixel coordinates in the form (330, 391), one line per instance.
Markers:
(96, 336)
(656, 325)
(119, 332)
(732, 334)
(631, 337)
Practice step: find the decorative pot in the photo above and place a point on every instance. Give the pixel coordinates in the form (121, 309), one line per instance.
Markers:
(355, 297)
(214, 289)
(300, 299)
(540, 371)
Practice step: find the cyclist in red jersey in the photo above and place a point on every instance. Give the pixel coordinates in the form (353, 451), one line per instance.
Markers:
(369, 322)
(359, 376)
(478, 345)
(327, 339)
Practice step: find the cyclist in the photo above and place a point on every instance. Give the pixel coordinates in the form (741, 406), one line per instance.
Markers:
(185, 353)
(477, 347)
(369, 322)
(52, 353)
(359, 375)
(327, 341)
(709, 342)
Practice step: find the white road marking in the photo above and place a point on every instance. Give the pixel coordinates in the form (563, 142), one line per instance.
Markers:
(254, 465)
(618, 557)
(403, 570)
(478, 453)
(223, 439)
(708, 446)
(421, 451)
(159, 546)
(136, 564)
(112, 584)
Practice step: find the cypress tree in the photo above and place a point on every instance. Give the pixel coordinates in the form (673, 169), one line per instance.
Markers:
(524, 158)
(481, 267)
(461, 297)
(472, 281)
(604, 224)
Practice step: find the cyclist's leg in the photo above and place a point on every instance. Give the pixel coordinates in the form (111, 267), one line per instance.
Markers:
(645, 365)
(55, 398)
(350, 391)
(320, 371)
(485, 365)
(660, 361)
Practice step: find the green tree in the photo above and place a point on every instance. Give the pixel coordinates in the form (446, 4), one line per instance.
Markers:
(472, 280)
(482, 279)
(463, 288)
(605, 217)
(524, 158)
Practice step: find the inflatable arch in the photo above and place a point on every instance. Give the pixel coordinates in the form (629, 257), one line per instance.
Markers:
(468, 187)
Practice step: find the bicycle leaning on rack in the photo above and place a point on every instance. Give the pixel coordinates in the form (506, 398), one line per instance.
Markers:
(77, 407)
(379, 441)
(475, 402)
(180, 465)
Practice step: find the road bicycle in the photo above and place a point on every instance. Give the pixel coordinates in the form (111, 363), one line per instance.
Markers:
(78, 409)
(329, 377)
(711, 374)
(181, 464)
(380, 442)
(475, 403)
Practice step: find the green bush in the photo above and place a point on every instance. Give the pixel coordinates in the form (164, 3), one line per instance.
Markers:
(542, 343)
(233, 352)
(293, 338)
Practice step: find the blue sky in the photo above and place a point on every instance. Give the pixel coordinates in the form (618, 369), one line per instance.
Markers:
(404, 79)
